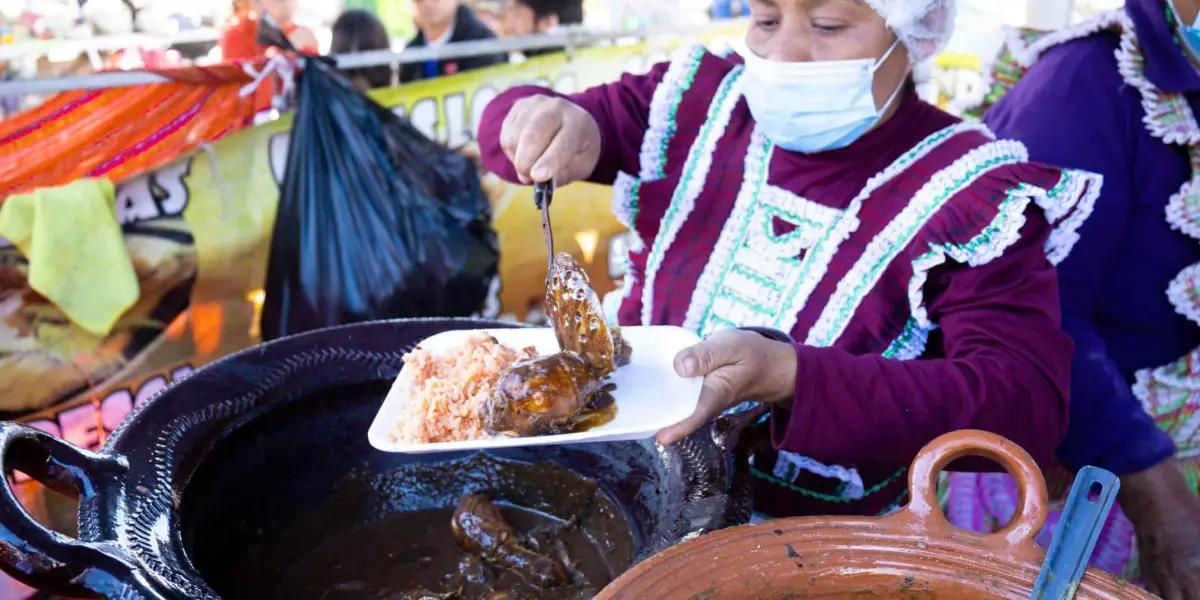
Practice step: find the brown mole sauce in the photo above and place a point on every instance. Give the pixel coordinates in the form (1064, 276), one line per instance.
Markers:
(413, 555)
(426, 559)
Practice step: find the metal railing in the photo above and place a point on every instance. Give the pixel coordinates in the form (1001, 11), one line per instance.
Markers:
(570, 39)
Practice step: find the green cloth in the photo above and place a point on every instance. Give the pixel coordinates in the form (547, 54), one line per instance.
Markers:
(396, 16)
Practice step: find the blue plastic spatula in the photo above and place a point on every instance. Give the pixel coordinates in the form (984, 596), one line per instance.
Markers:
(1079, 528)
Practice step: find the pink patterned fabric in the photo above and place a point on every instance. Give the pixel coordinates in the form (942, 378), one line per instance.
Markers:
(984, 502)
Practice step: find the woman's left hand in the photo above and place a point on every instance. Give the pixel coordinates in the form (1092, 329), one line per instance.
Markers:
(1166, 517)
(737, 366)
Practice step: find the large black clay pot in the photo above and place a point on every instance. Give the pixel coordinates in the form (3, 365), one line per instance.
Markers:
(212, 488)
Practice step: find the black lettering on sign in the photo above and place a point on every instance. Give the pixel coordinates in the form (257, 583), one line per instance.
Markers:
(457, 132)
(161, 193)
(82, 425)
(479, 100)
(277, 153)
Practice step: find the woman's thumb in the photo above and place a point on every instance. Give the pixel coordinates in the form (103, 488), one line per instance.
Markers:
(686, 363)
(697, 361)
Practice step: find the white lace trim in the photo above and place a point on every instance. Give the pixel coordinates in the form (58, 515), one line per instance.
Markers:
(1076, 197)
(663, 107)
(911, 343)
(789, 466)
(756, 166)
(692, 181)
(1176, 209)
(1180, 294)
(816, 264)
(899, 233)
(625, 207)
(1132, 66)
(625, 200)
(1161, 111)
(1027, 54)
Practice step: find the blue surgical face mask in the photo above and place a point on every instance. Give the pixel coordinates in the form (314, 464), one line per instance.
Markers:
(1190, 34)
(813, 106)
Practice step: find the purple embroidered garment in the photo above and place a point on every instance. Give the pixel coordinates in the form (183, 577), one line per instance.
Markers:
(912, 265)
(1074, 109)
(1116, 96)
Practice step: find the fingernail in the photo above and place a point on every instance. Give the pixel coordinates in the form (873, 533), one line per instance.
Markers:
(687, 366)
(541, 173)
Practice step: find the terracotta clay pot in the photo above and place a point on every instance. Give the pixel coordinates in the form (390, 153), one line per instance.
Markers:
(913, 553)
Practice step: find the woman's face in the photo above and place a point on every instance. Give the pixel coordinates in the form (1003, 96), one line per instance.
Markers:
(819, 30)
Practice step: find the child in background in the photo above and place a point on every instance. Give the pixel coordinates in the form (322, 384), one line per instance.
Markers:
(360, 31)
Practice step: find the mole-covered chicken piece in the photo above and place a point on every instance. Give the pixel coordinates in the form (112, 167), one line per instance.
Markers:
(480, 529)
(575, 313)
(542, 396)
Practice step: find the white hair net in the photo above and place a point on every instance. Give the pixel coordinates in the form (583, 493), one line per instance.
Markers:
(923, 26)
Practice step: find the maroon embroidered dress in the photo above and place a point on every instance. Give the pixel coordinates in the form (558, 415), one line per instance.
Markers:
(926, 239)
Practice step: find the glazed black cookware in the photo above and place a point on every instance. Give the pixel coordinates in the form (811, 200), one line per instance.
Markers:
(224, 464)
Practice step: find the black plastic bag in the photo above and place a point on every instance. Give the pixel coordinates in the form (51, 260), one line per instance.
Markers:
(375, 220)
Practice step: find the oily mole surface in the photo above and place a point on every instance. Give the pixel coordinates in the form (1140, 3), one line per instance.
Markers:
(413, 554)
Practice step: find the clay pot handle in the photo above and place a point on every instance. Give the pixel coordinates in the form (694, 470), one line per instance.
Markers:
(33, 554)
(936, 455)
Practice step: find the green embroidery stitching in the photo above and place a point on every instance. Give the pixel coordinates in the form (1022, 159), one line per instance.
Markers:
(673, 109)
(818, 250)
(909, 335)
(756, 278)
(914, 331)
(733, 296)
(844, 304)
(827, 497)
(695, 157)
(766, 150)
(771, 212)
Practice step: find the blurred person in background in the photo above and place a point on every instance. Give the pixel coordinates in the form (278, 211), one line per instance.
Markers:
(531, 17)
(362, 31)
(441, 22)
(1119, 97)
(239, 36)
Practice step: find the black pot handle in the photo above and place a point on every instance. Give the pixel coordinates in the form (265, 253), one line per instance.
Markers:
(729, 431)
(31, 553)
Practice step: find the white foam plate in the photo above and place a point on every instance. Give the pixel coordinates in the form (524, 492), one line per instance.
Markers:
(649, 395)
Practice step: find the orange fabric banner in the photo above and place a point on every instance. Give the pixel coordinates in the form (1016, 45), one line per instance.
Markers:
(118, 133)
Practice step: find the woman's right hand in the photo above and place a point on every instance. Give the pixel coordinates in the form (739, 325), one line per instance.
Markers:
(550, 139)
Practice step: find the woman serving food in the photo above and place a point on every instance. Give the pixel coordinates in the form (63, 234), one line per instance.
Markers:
(801, 185)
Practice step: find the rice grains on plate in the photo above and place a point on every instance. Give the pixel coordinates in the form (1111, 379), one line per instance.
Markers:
(446, 390)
